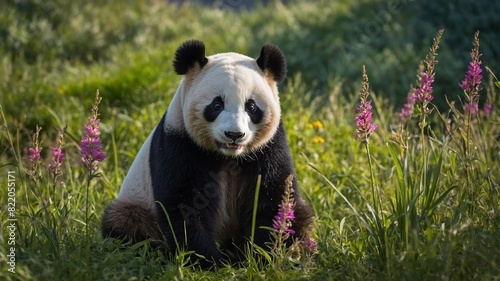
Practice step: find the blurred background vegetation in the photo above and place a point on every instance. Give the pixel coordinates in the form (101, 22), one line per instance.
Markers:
(56, 53)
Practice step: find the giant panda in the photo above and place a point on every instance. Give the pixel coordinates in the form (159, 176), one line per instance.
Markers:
(193, 182)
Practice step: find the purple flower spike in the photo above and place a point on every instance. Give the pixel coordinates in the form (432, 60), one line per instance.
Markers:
(91, 144)
(472, 80)
(487, 109)
(473, 108)
(282, 222)
(407, 110)
(310, 245)
(55, 166)
(473, 76)
(423, 94)
(34, 154)
(364, 110)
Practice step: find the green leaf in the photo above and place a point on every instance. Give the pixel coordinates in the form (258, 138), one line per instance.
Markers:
(442, 197)
(431, 184)
(497, 83)
(393, 148)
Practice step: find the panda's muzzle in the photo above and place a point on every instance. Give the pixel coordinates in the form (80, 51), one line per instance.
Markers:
(234, 136)
(231, 145)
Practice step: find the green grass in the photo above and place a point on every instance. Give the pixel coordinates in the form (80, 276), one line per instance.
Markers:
(430, 213)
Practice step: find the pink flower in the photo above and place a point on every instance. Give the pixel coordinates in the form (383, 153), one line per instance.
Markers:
(472, 79)
(364, 117)
(407, 109)
(473, 76)
(34, 154)
(310, 245)
(487, 109)
(91, 145)
(473, 108)
(282, 222)
(423, 94)
(55, 166)
(364, 121)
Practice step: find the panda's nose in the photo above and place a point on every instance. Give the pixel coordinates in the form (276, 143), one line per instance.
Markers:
(234, 135)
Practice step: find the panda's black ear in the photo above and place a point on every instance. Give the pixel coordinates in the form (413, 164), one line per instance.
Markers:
(190, 54)
(272, 62)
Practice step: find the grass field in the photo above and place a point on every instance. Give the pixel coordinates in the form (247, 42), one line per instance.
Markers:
(418, 200)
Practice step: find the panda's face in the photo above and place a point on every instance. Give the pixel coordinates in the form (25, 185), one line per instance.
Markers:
(230, 106)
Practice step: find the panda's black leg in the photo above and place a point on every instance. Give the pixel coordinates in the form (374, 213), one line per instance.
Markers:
(302, 224)
(191, 234)
(128, 220)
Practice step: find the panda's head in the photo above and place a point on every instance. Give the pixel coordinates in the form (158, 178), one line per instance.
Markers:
(229, 102)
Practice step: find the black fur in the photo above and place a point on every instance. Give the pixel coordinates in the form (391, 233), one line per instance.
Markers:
(130, 221)
(185, 181)
(213, 110)
(272, 59)
(256, 114)
(189, 54)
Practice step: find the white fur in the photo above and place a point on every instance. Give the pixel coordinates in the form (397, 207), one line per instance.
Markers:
(236, 78)
(137, 186)
(174, 118)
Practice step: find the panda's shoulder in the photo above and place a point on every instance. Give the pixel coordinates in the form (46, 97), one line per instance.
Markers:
(168, 141)
(173, 157)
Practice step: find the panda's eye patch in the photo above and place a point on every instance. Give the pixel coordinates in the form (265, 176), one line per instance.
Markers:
(250, 106)
(213, 110)
(256, 114)
(217, 104)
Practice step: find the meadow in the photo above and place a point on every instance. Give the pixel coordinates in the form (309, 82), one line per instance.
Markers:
(393, 127)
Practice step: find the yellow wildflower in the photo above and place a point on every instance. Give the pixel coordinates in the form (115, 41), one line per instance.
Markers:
(318, 140)
(317, 124)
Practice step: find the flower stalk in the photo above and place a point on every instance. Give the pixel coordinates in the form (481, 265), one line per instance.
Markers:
(472, 81)
(34, 155)
(365, 128)
(91, 152)
(57, 158)
(364, 117)
(423, 92)
(471, 86)
(91, 144)
(282, 223)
